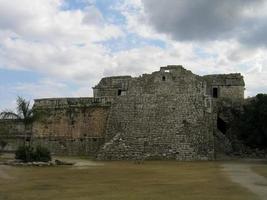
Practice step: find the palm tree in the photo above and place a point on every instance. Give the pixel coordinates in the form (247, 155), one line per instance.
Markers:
(25, 113)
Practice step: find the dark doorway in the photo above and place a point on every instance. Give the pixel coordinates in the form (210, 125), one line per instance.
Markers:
(163, 78)
(221, 125)
(215, 92)
(119, 92)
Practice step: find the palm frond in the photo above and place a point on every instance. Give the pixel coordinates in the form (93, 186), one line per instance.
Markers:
(8, 114)
(24, 112)
(23, 107)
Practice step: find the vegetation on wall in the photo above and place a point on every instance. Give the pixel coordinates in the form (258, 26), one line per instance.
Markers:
(24, 112)
(250, 125)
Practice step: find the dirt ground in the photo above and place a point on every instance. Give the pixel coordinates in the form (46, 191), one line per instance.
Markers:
(155, 180)
(243, 174)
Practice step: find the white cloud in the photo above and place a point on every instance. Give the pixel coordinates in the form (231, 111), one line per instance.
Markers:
(44, 21)
(65, 46)
(93, 16)
(41, 89)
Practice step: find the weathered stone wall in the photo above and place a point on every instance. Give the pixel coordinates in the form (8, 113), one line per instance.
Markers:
(72, 126)
(11, 143)
(70, 118)
(169, 114)
(229, 86)
(11, 127)
(233, 92)
(162, 116)
(65, 146)
(111, 87)
(229, 89)
(12, 134)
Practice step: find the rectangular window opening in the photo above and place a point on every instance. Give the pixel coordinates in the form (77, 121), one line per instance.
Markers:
(215, 92)
(121, 92)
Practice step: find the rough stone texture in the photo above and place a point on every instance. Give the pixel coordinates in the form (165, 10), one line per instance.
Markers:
(72, 126)
(111, 87)
(169, 114)
(229, 86)
(12, 134)
(11, 127)
(71, 118)
(66, 146)
(162, 116)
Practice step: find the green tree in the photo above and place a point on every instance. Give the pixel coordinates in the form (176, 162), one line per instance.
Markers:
(251, 124)
(24, 112)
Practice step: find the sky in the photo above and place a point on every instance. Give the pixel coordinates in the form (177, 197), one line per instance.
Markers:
(62, 48)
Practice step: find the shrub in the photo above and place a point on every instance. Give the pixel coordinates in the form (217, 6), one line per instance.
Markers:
(250, 125)
(42, 154)
(29, 154)
(25, 153)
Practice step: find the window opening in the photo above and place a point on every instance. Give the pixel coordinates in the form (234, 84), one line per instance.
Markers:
(215, 92)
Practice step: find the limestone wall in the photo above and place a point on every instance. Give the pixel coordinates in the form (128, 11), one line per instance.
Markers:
(163, 116)
(73, 126)
(70, 118)
(110, 87)
(169, 114)
(11, 127)
(229, 86)
(232, 92)
(12, 134)
(64, 146)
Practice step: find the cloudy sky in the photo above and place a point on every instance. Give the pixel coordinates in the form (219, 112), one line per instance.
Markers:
(57, 48)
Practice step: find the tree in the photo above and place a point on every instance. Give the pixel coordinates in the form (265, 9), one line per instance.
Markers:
(251, 124)
(24, 112)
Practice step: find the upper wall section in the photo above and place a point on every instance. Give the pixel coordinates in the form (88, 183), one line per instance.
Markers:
(110, 87)
(229, 86)
(69, 102)
(170, 80)
(71, 117)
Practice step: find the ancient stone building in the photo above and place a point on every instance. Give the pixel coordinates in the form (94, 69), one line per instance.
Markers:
(74, 126)
(12, 134)
(163, 115)
(169, 114)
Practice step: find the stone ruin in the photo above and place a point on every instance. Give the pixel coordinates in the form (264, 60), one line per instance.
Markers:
(169, 114)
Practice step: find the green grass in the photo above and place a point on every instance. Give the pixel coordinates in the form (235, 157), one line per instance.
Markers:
(155, 180)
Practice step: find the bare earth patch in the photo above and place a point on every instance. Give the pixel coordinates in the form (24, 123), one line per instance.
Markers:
(3, 172)
(243, 174)
(93, 180)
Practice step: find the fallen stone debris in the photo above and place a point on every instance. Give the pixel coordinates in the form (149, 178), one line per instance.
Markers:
(37, 164)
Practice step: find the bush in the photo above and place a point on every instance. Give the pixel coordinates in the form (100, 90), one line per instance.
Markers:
(25, 153)
(250, 125)
(42, 154)
(29, 154)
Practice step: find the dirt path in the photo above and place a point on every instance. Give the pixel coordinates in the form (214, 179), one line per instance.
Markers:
(243, 174)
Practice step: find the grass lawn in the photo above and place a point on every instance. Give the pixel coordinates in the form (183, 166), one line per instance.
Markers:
(153, 180)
